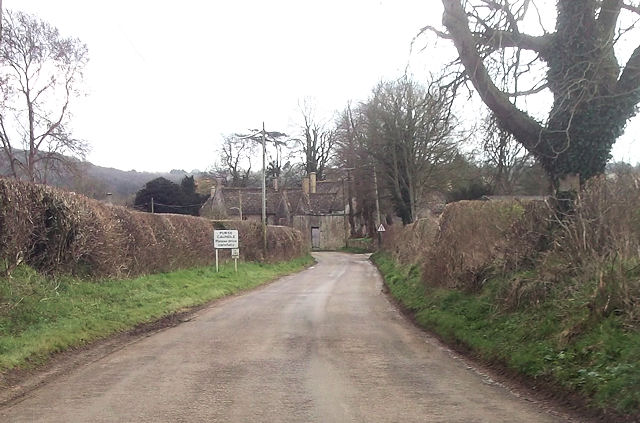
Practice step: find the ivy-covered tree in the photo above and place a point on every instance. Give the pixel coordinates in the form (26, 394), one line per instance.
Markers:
(577, 62)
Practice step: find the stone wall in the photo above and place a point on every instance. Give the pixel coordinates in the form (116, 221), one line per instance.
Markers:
(333, 232)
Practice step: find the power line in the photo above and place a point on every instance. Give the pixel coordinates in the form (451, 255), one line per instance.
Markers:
(175, 205)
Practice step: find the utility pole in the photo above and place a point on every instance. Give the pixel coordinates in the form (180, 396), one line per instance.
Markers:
(0, 21)
(264, 194)
(263, 139)
(375, 185)
(350, 199)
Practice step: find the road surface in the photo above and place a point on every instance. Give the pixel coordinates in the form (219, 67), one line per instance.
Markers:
(324, 345)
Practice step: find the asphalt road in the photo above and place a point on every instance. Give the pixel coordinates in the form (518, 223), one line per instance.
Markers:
(324, 345)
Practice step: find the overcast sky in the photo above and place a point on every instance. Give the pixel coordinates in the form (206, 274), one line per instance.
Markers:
(166, 79)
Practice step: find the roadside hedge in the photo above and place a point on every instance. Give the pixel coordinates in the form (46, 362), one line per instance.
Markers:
(552, 296)
(56, 232)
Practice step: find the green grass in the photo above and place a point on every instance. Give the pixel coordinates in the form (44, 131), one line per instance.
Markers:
(41, 316)
(557, 341)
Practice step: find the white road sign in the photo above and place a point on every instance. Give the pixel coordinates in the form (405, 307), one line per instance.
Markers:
(381, 228)
(235, 253)
(225, 238)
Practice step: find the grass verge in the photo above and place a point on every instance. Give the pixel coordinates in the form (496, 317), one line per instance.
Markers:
(554, 342)
(41, 316)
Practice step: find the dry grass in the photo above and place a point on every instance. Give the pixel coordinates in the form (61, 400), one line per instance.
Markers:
(471, 237)
(411, 243)
(598, 246)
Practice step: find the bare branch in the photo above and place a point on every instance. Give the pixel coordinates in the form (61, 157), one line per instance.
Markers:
(497, 39)
(631, 7)
(517, 122)
(436, 31)
(54, 126)
(513, 22)
(534, 90)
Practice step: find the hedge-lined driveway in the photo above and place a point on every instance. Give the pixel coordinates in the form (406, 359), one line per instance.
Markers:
(325, 345)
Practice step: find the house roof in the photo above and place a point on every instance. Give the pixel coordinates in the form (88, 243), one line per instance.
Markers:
(328, 199)
(320, 203)
(250, 199)
(293, 198)
(329, 186)
(323, 203)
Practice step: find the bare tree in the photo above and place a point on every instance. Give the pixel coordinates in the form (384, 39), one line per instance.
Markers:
(235, 154)
(277, 154)
(0, 21)
(352, 153)
(593, 96)
(274, 141)
(409, 133)
(40, 71)
(318, 142)
(506, 158)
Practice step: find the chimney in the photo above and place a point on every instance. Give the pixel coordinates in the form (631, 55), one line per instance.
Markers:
(305, 185)
(312, 182)
(217, 183)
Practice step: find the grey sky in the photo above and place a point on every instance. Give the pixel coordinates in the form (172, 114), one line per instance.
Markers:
(166, 79)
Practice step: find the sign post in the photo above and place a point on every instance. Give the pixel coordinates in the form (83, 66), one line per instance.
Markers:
(381, 229)
(235, 254)
(225, 239)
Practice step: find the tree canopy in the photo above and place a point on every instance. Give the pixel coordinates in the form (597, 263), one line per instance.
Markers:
(160, 195)
(409, 134)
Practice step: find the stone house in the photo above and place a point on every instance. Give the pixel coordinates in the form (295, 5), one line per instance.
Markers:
(322, 213)
(241, 204)
(318, 210)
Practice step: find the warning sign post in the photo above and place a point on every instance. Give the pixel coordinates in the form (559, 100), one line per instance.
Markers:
(381, 229)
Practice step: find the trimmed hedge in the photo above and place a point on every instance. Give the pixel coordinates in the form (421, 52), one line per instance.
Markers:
(57, 232)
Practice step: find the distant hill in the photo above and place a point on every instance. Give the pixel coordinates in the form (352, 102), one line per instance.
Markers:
(97, 181)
